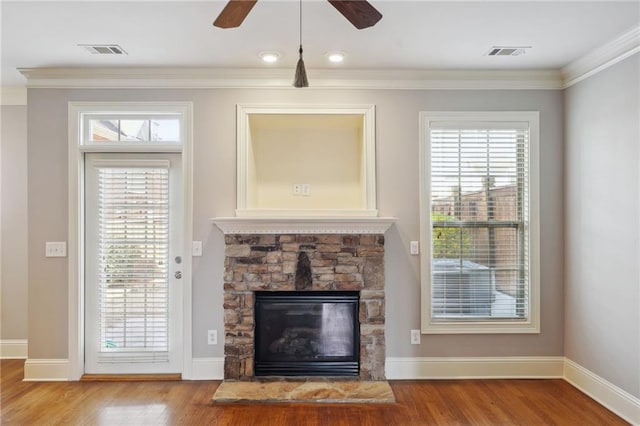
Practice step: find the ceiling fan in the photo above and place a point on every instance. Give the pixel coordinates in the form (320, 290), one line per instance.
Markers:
(359, 12)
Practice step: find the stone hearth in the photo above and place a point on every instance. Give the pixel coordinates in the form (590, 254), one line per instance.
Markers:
(267, 262)
(358, 392)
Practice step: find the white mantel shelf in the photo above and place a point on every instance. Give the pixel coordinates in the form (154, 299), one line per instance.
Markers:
(304, 225)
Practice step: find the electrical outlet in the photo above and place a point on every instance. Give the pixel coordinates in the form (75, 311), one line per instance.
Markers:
(55, 249)
(415, 337)
(297, 189)
(212, 337)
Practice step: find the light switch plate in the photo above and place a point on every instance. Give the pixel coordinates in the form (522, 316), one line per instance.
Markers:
(414, 247)
(55, 249)
(196, 248)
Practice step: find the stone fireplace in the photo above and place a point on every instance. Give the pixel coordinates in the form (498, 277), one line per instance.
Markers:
(332, 262)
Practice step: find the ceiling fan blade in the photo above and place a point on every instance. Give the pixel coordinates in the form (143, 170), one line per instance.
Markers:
(359, 12)
(234, 13)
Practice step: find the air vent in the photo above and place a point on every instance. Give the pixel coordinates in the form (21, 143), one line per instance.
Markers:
(507, 50)
(103, 49)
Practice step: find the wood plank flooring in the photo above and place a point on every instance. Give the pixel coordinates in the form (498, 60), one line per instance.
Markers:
(467, 402)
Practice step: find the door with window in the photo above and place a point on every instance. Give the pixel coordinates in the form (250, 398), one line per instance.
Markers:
(133, 249)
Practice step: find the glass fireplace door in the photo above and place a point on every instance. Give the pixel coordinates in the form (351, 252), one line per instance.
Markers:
(307, 333)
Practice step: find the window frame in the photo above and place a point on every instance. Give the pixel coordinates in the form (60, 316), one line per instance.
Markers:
(531, 324)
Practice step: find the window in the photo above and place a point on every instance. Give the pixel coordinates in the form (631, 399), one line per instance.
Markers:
(133, 263)
(479, 222)
(133, 129)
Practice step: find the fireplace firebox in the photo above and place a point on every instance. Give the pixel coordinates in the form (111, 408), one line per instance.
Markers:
(307, 333)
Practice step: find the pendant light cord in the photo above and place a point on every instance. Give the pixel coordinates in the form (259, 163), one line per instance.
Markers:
(300, 79)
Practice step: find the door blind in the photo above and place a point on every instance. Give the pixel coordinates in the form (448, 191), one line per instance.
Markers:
(133, 214)
(479, 217)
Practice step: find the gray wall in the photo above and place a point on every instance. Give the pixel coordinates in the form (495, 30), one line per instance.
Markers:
(214, 195)
(13, 318)
(602, 249)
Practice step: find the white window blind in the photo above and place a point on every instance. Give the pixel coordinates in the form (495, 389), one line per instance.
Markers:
(133, 209)
(479, 198)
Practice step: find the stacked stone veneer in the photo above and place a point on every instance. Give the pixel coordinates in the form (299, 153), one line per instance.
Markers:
(268, 263)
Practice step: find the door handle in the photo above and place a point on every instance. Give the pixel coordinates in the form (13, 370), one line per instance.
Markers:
(178, 274)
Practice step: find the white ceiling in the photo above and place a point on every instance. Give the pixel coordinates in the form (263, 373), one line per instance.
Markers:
(411, 35)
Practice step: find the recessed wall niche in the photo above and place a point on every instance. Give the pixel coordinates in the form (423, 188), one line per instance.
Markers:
(301, 161)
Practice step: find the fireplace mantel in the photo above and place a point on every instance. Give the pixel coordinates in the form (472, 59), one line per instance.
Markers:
(303, 225)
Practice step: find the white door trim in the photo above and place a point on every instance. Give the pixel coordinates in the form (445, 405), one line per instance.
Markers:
(75, 249)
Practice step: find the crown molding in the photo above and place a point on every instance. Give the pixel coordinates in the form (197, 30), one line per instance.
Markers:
(13, 95)
(602, 58)
(255, 78)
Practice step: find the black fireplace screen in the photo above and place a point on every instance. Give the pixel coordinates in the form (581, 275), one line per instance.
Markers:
(305, 333)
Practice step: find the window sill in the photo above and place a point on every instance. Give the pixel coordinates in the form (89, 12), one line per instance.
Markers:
(480, 327)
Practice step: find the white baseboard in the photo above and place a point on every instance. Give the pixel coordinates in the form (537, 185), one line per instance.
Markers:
(13, 348)
(46, 370)
(474, 368)
(54, 370)
(207, 369)
(606, 393)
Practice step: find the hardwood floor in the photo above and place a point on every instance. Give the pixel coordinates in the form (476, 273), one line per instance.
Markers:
(468, 402)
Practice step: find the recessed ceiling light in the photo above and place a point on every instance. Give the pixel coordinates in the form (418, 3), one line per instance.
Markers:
(269, 57)
(335, 57)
